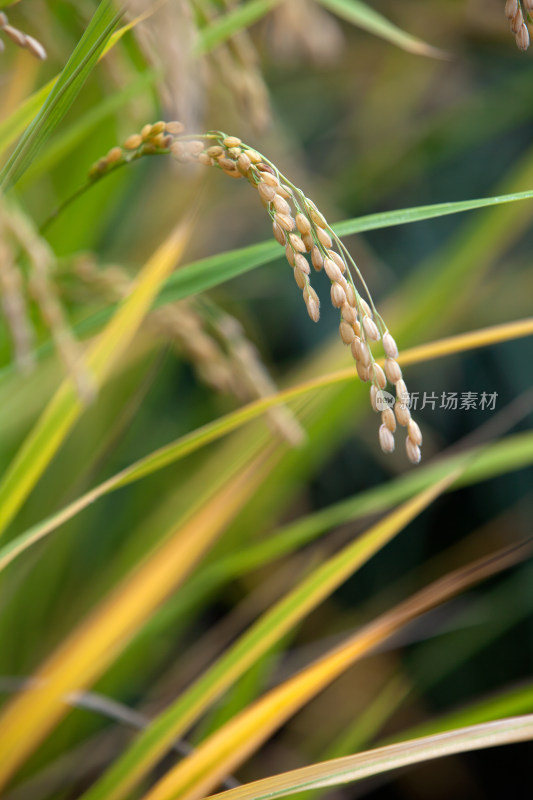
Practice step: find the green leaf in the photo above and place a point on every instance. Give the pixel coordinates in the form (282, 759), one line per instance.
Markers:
(520, 454)
(253, 644)
(514, 701)
(65, 407)
(223, 28)
(14, 125)
(80, 130)
(210, 272)
(365, 17)
(64, 92)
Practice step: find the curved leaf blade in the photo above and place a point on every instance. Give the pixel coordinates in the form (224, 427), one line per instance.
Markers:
(348, 769)
(63, 93)
(369, 19)
(210, 272)
(223, 751)
(212, 431)
(260, 637)
(65, 406)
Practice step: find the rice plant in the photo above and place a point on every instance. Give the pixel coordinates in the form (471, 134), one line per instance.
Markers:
(215, 579)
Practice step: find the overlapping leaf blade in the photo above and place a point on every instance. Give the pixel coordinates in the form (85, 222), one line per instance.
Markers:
(63, 93)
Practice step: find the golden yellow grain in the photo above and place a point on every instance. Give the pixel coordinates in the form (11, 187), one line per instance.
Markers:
(386, 439)
(338, 295)
(302, 223)
(392, 370)
(346, 332)
(285, 221)
(133, 142)
(302, 263)
(267, 193)
(413, 451)
(323, 237)
(281, 205)
(296, 242)
(300, 278)
(174, 127)
(388, 419)
(317, 258)
(279, 233)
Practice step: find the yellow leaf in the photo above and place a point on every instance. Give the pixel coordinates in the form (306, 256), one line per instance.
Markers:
(228, 747)
(223, 425)
(65, 407)
(383, 759)
(96, 643)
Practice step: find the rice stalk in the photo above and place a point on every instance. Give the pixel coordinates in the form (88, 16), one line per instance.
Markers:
(14, 305)
(23, 40)
(212, 340)
(40, 259)
(235, 63)
(309, 240)
(319, 40)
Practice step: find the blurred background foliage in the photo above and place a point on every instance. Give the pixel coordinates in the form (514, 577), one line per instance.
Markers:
(362, 126)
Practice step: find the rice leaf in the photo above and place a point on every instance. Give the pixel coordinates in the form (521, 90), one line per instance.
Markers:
(97, 641)
(215, 270)
(509, 456)
(65, 406)
(221, 753)
(269, 629)
(367, 18)
(226, 26)
(64, 92)
(376, 762)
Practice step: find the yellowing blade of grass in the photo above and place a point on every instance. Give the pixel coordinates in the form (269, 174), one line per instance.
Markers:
(222, 752)
(65, 407)
(494, 334)
(266, 632)
(96, 643)
(212, 431)
(348, 769)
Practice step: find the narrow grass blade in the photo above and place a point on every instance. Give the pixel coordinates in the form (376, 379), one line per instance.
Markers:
(203, 436)
(265, 633)
(215, 270)
(97, 642)
(64, 92)
(210, 272)
(226, 26)
(503, 457)
(509, 703)
(232, 744)
(65, 407)
(12, 127)
(512, 702)
(375, 762)
(364, 16)
(79, 131)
